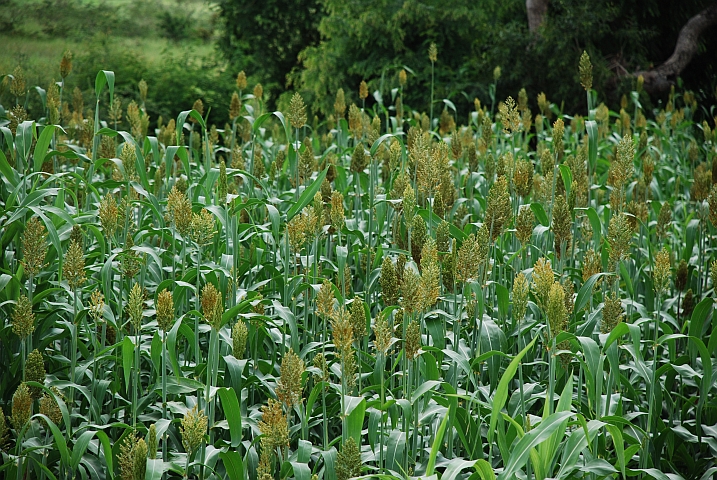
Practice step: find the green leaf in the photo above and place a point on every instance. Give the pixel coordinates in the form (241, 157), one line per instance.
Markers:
(233, 464)
(567, 178)
(437, 441)
(501, 393)
(307, 196)
(592, 128)
(586, 291)
(127, 359)
(232, 412)
(155, 469)
(619, 443)
(485, 471)
(105, 77)
(540, 214)
(519, 454)
(41, 147)
(355, 412)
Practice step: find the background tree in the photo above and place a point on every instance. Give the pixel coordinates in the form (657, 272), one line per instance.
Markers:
(264, 38)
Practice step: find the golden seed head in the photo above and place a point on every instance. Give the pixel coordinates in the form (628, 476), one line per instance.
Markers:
(664, 219)
(702, 184)
(273, 426)
(592, 264)
(612, 313)
(21, 406)
(241, 81)
(66, 64)
(402, 77)
(193, 428)
(562, 226)
(165, 310)
(389, 282)
(363, 90)
(289, 388)
(661, 272)
(433, 52)
(498, 210)
(468, 260)
(49, 407)
(135, 306)
(409, 204)
(355, 121)
(4, 430)
(496, 74)
(419, 233)
(342, 331)
(359, 159)
(35, 372)
(234, 106)
(18, 85)
(34, 246)
(143, 90)
(543, 105)
(239, 336)
(109, 214)
(413, 340)
(323, 367)
(523, 177)
(521, 289)
(297, 111)
(258, 92)
(619, 236)
(337, 210)
(23, 320)
(152, 442)
(555, 311)
(383, 334)
(712, 201)
(586, 71)
(340, 104)
(325, 300)
(212, 306)
(429, 289)
(524, 224)
(558, 132)
(713, 275)
(509, 116)
(198, 105)
(446, 122)
(73, 268)
(203, 227)
(180, 211)
(543, 279)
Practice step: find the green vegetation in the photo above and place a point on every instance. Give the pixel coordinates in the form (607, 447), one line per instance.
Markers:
(506, 293)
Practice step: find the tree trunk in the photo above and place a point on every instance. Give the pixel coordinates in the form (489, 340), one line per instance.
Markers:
(536, 13)
(660, 79)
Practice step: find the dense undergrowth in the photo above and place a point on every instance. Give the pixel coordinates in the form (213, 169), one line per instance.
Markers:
(382, 293)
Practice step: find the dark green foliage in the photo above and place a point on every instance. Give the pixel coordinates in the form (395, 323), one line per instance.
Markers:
(265, 38)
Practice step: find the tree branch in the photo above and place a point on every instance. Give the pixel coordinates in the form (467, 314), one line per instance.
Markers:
(536, 13)
(660, 79)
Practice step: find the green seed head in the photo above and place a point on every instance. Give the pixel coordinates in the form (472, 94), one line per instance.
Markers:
(21, 406)
(193, 428)
(586, 71)
(289, 386)
(348, 460)
(23, 320)
(35, 372)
